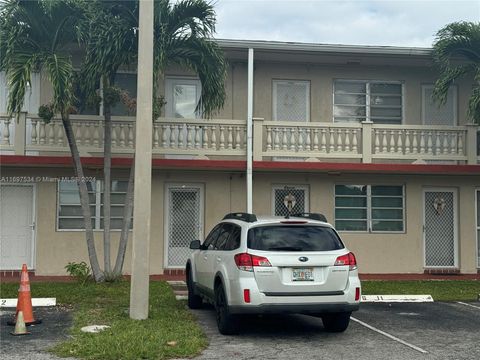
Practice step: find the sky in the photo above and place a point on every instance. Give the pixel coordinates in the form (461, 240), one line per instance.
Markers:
(353, 22)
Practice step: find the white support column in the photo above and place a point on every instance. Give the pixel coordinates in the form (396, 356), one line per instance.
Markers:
(471, 144)
(139, 291)
(367, 141)
(249, 133)
(20, 133)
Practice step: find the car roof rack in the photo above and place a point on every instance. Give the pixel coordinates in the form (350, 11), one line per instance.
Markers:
(247, 217)
(311, 216)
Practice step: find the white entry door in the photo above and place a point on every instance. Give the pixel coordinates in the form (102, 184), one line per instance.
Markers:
(17, 218)
(440, 228)
(184, 222)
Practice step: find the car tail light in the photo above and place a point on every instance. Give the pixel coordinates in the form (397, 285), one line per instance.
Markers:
(246, 295)
(246, 262)
(347, 259)
(357, 294)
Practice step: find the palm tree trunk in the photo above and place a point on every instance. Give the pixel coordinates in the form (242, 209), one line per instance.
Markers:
(84, 199)
(127, 219)
(107, 165)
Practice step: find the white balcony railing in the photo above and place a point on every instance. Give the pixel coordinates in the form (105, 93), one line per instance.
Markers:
(365, 142)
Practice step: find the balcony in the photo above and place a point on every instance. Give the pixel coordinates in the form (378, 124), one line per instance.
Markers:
(272, 140)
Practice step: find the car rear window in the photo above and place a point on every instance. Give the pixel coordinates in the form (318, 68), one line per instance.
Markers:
(293, 238)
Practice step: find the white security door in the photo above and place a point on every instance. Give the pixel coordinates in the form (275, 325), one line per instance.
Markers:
(17, 226)
(440, 228)
(184, 222)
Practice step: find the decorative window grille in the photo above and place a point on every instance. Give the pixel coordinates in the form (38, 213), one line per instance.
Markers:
(69, 212)
(359, 100)
(184, 222)
(301, 194)
(436, 114)
(374, 208)
(291, 100)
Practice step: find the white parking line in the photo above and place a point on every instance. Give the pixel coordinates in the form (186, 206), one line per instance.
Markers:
(473, 306)
(389, 336)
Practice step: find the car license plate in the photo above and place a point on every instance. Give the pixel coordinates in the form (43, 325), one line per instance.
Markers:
(302, 274)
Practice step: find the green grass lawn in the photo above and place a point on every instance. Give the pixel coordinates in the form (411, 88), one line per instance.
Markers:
(441, 290)
(107, 304)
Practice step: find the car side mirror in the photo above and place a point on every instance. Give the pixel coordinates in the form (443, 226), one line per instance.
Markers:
(195, 245)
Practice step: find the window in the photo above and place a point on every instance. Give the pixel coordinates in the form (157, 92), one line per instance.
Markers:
(223, 237)
(70, 211)
(300, 193)
(32, 94)
(211, 238)
(234, 239)
(293, 238)
(375, 208)
(435, 114)
(182, 96)
(291, 100)
(360, 100)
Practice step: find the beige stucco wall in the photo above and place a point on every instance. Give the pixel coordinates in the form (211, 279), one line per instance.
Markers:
(225, 192)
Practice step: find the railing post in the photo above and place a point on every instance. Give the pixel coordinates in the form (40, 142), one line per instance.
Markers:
(20, 133)
(471, 144)
(257, 139)
(367, 141)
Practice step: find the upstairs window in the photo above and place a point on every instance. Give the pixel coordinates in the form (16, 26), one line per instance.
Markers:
(435, 114)
(291, 100)
(182, 96)
(359, 100)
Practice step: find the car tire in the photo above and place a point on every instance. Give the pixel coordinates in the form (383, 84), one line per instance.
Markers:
(336, 322)
(227, 323)
(194, 301)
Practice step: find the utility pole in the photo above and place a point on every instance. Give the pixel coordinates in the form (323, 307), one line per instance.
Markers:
(140, 281)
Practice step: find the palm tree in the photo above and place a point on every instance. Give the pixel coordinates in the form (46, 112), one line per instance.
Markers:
(34, 37)
(457, 54)
(183, 32)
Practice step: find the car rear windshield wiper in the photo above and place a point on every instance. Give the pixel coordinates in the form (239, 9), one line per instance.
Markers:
(287, 248)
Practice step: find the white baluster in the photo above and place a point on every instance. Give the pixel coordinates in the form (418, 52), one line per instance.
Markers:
(164, 136)
(156, 135)
(392, 142)
(438, 146)
(222, 137)
(315, 140)
(347, 141)
(429, 143)
(407, 142)
(181, 132)
(323, 140)
(354, 141)
(269, 138)
(78, 131)
(237, 138)
(6, 132)
(292, 137)
(339, 140)
(284, 139)
(122, 135)
(214, 137)
(59, 134)
(308, 141)
(460, 144)
(384, 141)
(399, 142)
(198, 130)
(114, 134)
(87, 134)
(276, 141)
(422, 142)
(415, 143)
(34, 132)
(205, 136)
(96, 135)
(377, 141)
(453, 143)
(331, 141)
(51, 133)
(229, 137)
(300, 139)
(190, 129)
(172, 136)
(445, 142)
(131, 136)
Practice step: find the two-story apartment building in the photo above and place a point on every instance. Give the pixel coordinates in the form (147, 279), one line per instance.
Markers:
(350, 131)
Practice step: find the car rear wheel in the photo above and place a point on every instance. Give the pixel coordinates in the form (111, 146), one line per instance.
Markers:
(194, 301)
(227, 323)
(336, 322)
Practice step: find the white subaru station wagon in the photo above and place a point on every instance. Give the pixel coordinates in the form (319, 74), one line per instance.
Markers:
(276, 265)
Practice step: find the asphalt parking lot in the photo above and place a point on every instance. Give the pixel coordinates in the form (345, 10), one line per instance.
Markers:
(416, 330)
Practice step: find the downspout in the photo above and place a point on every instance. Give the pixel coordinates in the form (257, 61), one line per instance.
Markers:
(250, 131)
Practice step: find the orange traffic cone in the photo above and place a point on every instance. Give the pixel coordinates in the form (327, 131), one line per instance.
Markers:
(24, 302)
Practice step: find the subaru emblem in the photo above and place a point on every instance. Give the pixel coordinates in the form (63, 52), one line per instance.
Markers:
(303, 258)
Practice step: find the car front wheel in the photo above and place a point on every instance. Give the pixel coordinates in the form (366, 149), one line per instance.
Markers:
(336, 322)
(227, 323)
